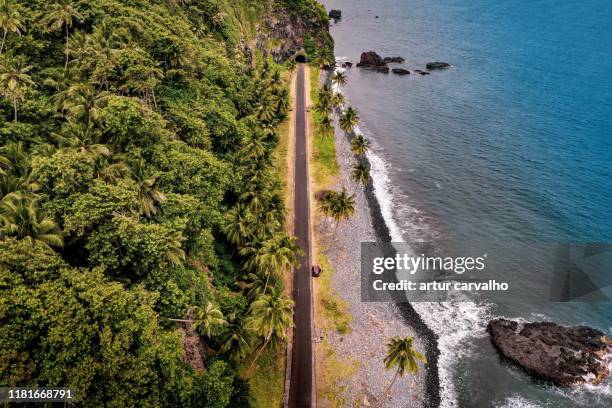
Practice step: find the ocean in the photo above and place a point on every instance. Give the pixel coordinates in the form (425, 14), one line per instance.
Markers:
(512, 144)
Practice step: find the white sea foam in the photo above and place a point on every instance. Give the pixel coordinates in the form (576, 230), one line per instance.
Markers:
(455, 323)
(516, 401)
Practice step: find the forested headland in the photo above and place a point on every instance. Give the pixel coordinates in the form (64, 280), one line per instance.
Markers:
(139, 203)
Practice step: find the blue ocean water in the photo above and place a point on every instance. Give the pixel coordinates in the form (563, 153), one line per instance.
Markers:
(512, 144)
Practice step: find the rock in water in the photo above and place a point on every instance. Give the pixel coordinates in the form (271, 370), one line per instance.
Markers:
(369, 59)
(397, 60)
(335, 15)
(437, 65)
(562, 355)
(373, 61)
(400, 71)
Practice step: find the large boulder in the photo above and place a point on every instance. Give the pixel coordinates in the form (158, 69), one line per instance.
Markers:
(437, 65)
(562, 355)
(370, 59)
(397, 60)
(400, 71)
(335, 15)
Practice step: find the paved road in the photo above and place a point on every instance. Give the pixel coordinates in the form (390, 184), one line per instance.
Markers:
(301, 387)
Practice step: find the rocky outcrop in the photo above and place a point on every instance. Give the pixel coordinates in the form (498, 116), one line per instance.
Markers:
(420, 71)
(562, 355)
(347, 64)
(372, 61)
(335, 15)
(437, 65)
(400, 71)
(397, 60)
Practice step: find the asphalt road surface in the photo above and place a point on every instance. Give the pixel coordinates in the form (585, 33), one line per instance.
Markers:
(300, 386)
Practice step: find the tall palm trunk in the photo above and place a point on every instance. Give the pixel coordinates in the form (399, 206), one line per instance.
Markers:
(383, 397)
(263, 346)
(3, 40)
(67, 53)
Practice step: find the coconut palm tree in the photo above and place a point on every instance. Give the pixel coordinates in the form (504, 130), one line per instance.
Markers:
(348, 120)
(84, 103)
(83, 136)
(325, 126)
(360, 174)
(62, 14)
(337, 205)
(344, 206)
(10, 21)
(20, 217)
(402, 356)
(272, 256)
(360, 145)
(207, 319)
(337, 101)
(14, 80)
(325, 94)
(270, 316)
(237, 227)
(235, 341)
(148, 195)
(339, 79)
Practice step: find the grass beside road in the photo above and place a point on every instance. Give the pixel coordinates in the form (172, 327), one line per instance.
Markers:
(331, 311)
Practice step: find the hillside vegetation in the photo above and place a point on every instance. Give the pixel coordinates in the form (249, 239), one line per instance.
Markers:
(141, 218)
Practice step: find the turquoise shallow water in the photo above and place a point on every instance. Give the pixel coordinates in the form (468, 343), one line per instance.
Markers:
(512, 144)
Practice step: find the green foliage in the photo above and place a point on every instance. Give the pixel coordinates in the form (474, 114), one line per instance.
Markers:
(130, 133)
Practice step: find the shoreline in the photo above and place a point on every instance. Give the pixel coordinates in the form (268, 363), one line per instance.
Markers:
(404, 308)
(401, 310)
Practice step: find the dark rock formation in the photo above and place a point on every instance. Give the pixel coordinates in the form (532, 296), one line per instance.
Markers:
(370, 58)
(437, 65)
(335, 15)
(400, 71)
(419, 71)
(397, 60)
(562, 355)
(347, 64)
(373, 61)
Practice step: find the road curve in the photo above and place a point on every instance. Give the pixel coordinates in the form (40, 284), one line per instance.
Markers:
(301, 383)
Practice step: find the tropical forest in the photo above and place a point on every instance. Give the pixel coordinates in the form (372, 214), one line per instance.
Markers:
(143, 243)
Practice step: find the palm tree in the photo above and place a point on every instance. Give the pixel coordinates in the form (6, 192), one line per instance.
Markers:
(84, 102)
(401, 354)
(14, 79)
(148, 195)
(338, 100)
(339, 79)
(325, 126)
(348, 120)
(272, 256)
(360, 174)
(206, 319)
(21, 218)
(337, 205)
(85, 137)
(235, 341)
(10, 21)
(269, 318)
(325, 94)
(237, 227)
(360, 145)
(61, 14)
